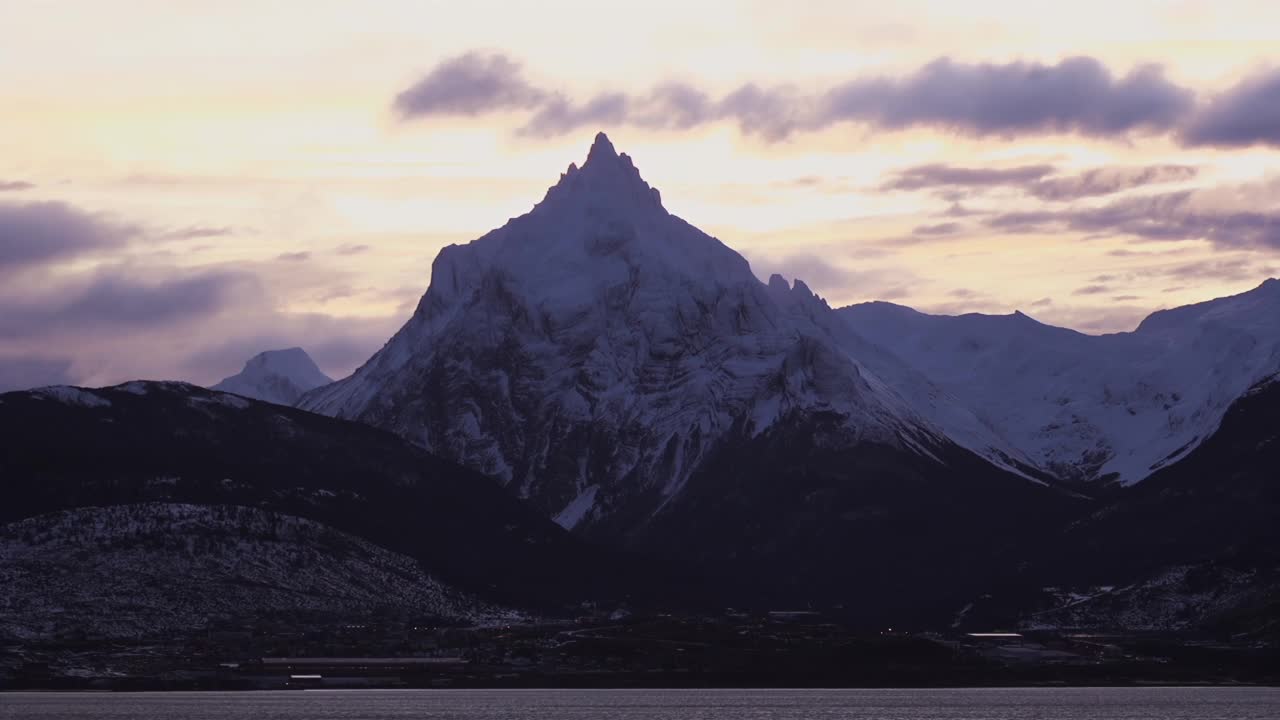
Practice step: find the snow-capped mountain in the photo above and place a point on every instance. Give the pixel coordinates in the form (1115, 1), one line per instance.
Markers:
(1111, 407)
(278, 376)
(594, 352)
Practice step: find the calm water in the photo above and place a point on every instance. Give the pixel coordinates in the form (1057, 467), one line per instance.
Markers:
(984, 704)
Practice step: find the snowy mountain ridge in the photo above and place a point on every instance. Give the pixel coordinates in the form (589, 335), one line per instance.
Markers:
(1110, 407)
(592, 352)
(278, 376)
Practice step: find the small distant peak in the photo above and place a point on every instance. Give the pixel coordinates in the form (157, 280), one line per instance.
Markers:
(777, 282)
(801, 288)
(1272, 283)
(293, 353)
(601, 148)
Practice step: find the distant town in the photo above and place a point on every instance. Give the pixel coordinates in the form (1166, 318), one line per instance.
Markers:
(616, 648)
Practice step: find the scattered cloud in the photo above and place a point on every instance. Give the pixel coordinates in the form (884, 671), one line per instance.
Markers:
(350, 249)
(1107, 181)
(946, 228)
(1238, 269)
(14, 185)
(119, 298)
(1229, 218)
(1043, 182)
(940, 175)
(1091, 290)
(196, 232)
(470, 84)
(956, 210)
(294, 256)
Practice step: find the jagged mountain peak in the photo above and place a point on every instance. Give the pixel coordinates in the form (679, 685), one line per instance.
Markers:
(595, 351)
(601, 148)
(600, 230)
(608, 183)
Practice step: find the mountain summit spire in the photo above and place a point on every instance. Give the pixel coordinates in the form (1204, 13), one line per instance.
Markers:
(601, 148)
(608, 178)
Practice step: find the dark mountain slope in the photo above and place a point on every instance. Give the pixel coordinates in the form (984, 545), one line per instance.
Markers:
(799, 517)
(1194, 546)
(68, 447)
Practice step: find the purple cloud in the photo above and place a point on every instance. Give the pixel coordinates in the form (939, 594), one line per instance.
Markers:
(1091, 290)
(1165, 216)
(559, 115)
(197, 232)
(1107, 181)
(118, 298)
(1230, 270)
(940, 175)
(37, 233)
(1040, 181)
(470, 84)
(14, 185)
(946, 228)
(1247, 114)
(1077, 95)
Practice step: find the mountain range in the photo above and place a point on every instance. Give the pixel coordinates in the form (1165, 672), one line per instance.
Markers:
(599, 401)
(1092, 408)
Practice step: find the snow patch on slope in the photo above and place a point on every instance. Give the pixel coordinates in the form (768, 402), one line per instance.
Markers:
(72, 396)
(578, 508)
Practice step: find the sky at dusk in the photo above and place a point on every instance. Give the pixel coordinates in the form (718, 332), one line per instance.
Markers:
(184, 184)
